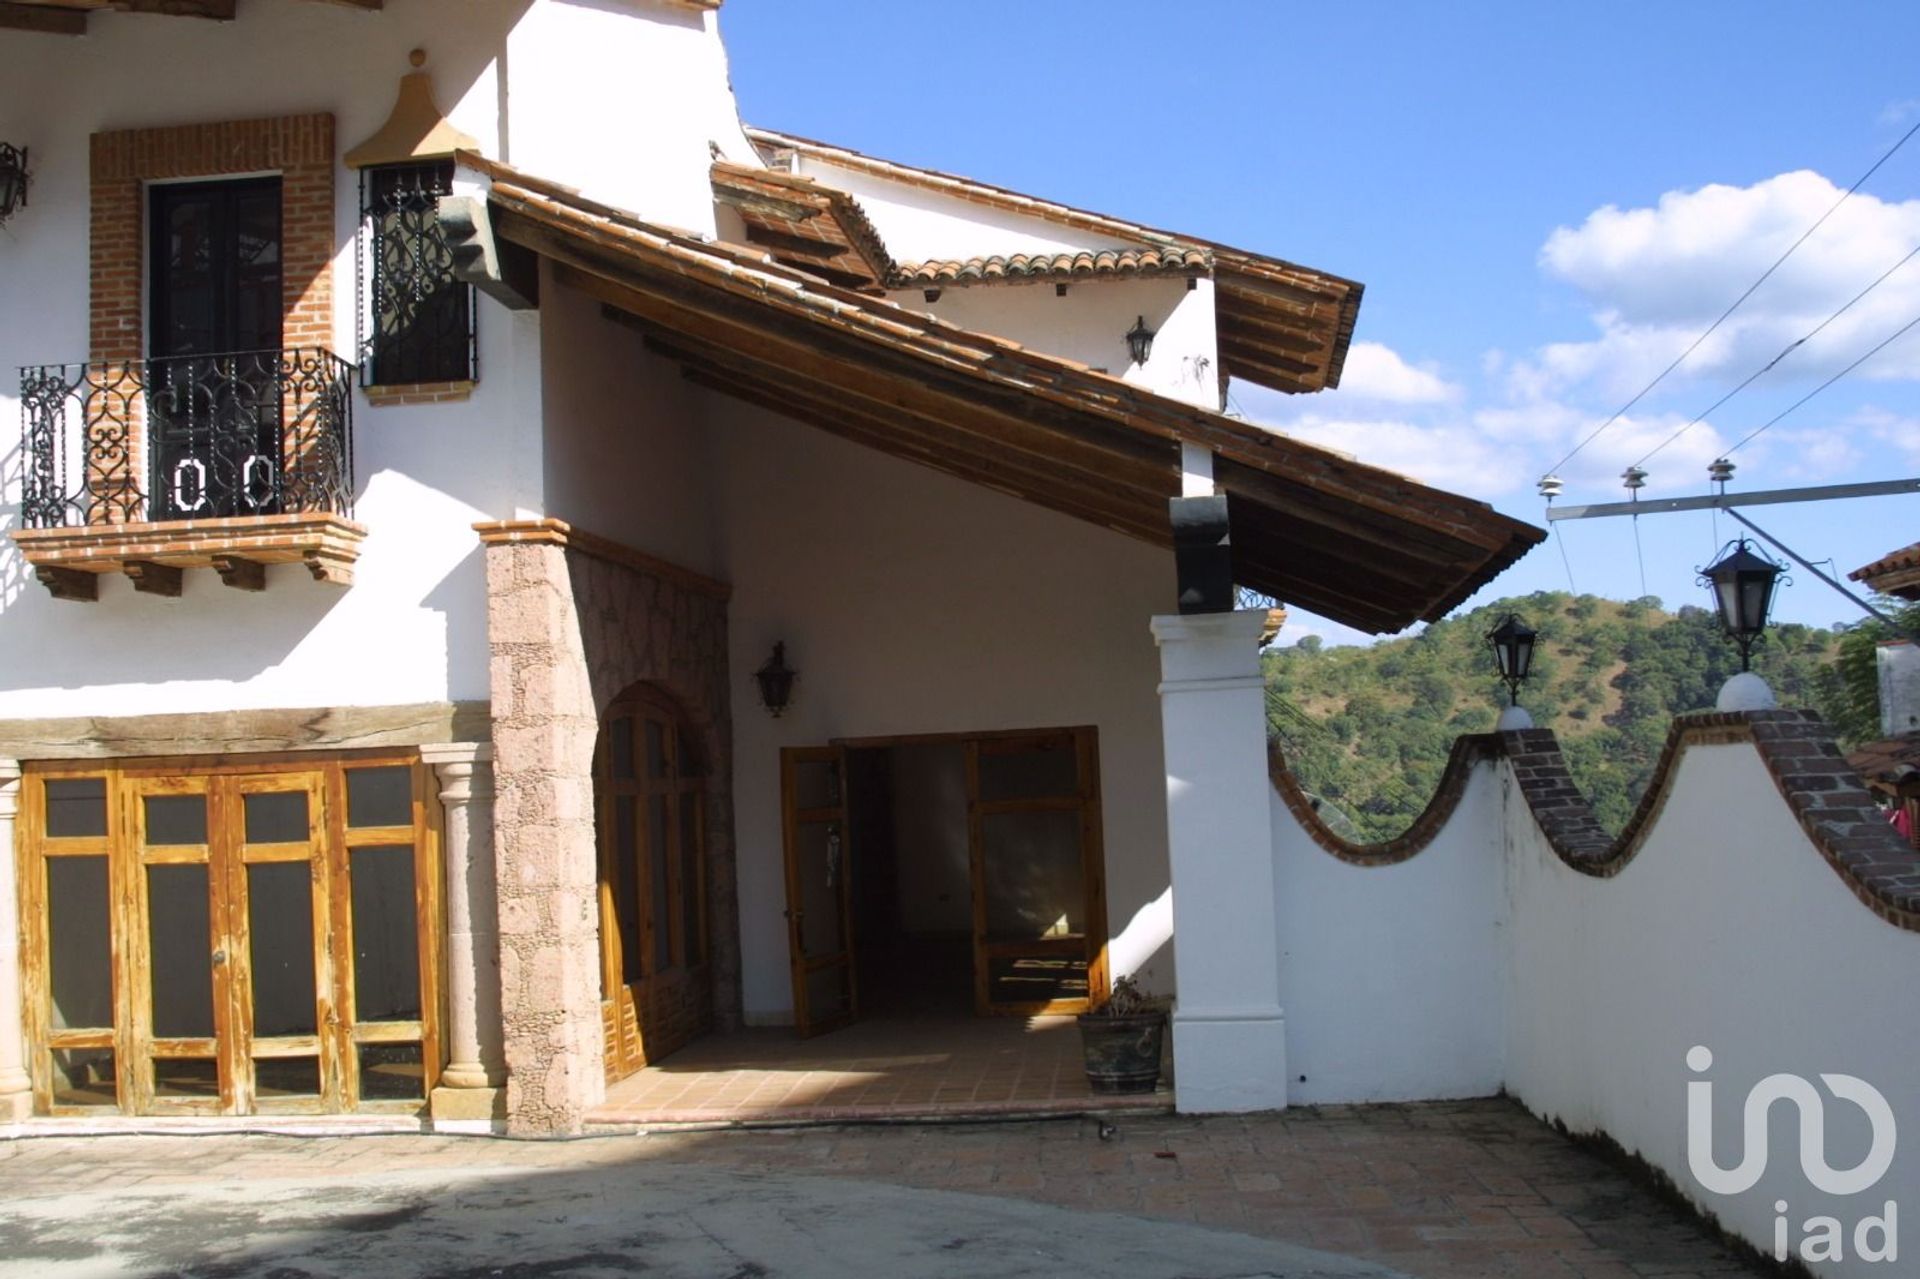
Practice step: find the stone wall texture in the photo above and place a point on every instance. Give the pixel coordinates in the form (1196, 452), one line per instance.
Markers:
(569, 630)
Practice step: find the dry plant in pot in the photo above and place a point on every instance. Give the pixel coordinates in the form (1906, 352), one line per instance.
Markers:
(1122, 1039)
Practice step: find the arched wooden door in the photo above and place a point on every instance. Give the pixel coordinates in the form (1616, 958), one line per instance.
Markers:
(649, 790)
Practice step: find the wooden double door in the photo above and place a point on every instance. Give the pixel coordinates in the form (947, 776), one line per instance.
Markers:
(232, 939)
(1036, 871)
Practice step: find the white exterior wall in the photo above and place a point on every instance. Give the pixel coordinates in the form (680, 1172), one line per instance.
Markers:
(919, 225)
(911, 602)
(1391, 975)
(1728, 930)
(517, 77)
(1090, 325)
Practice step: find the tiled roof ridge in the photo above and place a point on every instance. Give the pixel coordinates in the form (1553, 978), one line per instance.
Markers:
(1067, 265)
(1904, 558)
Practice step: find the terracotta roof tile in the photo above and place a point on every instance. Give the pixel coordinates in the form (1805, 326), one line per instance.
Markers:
(1024, 267)
(1897, 573)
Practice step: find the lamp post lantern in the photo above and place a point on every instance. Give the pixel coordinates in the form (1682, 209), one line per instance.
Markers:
(1512, 643)
(1743, 583)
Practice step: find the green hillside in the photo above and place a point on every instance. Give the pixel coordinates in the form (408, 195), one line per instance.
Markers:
(1369, 729)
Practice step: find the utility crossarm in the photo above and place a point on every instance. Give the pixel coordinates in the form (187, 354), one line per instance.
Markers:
(1727, 501)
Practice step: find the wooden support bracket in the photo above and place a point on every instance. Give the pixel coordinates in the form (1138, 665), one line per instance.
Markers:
(59, 22)
(69, 583)
(240, 573)
(330, 567)
(150, 578)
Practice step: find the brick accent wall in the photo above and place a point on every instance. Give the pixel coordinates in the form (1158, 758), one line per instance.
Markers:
(1823, 791)
(298, 148)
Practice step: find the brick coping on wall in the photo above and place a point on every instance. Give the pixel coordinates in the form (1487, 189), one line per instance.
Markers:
(1825, 795)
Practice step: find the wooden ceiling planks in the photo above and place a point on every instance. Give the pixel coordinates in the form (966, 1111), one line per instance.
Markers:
(1364, 546)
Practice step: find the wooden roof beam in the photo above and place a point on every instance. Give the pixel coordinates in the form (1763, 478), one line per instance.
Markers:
(215, 10)
(32, 17)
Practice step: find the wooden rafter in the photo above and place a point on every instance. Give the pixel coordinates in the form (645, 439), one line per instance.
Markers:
(69, 17)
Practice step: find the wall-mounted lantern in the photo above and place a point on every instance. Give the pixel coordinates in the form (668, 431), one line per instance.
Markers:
(776, 680)
(14, 178)
(1512, 643)
(1140, 341)
(1743, 583)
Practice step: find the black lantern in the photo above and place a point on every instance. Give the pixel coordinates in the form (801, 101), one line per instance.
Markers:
(13, 179)
(1512, 645)
(776, 679)
(1140, 341)
(1743, 583)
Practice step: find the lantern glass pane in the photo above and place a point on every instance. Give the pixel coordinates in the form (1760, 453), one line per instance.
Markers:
(1726, 598)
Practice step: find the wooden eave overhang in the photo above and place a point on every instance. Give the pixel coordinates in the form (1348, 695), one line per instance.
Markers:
(805, 225)
(1352, 542)
(1896, 574)
(69, 17)
(1280, 324)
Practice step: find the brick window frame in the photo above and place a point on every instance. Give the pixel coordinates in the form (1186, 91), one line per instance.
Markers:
(300, 148)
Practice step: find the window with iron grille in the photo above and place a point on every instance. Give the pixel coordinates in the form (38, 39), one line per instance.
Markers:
(420, 316)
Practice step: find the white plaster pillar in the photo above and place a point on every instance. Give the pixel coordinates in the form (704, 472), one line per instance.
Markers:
(471, 1095)
(1229, 1035)
(16, 1089)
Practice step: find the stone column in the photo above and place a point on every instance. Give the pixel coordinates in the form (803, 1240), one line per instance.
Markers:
(544, 726)
(16, 1089)
(1229, 1035)
(472, 1094)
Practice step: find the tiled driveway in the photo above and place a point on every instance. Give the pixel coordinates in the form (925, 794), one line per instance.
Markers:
(1440, 1191)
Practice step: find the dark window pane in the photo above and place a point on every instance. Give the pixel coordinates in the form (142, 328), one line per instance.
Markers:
(392, 1072)
(84, 1077)
(182, 952)
(691, 948)
(280, 936)
(1035, 879)
(816, 783)
(656, 748)
(386, 942)
(687, 756)
(277, 817)
(626, 862)
(287, 1077)
(1030, 774)
(659, 857)
(186, 1077)
(176, 819)
(827, 994)
(821, 854)
(422, 316)
(620, 748)
(80, 949)
(76, 807)
(380, 796)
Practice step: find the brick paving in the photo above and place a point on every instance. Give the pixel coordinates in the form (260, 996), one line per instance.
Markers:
(1464, 1190)
(881, 1069)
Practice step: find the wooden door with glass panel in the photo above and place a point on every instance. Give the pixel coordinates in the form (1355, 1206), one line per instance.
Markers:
(1039, 893)
(813, 795)
(649, 798)
(236, 940)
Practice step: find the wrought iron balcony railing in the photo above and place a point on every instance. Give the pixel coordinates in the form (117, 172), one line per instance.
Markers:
(187, 438)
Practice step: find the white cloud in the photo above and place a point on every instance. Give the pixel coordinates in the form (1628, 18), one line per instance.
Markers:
(1656, 277)
(1376, 372)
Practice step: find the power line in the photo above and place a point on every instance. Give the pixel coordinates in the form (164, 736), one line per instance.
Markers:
(1737, 302)
(1789, 349)
(1883, 345)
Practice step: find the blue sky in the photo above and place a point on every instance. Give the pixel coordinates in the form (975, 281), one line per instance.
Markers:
(1546, 203)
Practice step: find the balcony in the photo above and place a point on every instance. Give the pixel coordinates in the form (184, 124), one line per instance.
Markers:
(151, 467)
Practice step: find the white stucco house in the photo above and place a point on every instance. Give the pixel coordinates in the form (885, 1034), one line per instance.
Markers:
(429, 431)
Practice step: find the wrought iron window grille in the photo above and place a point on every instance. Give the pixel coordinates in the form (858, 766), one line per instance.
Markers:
(416, 320)
(187, 438)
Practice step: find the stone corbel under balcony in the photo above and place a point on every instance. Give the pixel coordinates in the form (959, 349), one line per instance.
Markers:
(69, 561)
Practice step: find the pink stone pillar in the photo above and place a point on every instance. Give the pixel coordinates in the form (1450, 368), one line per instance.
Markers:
(544, 725)
(16, 1090)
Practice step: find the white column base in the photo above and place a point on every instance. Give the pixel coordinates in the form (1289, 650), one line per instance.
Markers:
(1229, 1062)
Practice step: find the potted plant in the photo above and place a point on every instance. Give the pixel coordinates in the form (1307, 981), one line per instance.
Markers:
(1121, 1040)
